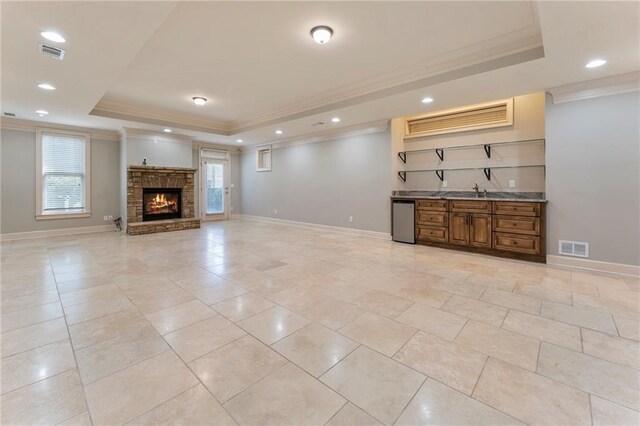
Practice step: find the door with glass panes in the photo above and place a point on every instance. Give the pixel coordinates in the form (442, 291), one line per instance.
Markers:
(214, 185)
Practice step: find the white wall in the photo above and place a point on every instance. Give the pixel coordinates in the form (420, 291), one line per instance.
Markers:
(323, 183)
(529, 118)
(18, 174)
(593, 176)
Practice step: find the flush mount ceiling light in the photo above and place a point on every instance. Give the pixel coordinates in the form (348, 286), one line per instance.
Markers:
(279, 132)
(42, 112)
(53, 36)
(199, 100)
(321, 34)
(239, 140)
(596, 63)
(46, 86)
(335, 120)
(167, 130)
(427, 100)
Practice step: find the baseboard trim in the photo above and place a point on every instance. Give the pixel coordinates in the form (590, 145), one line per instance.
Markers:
(594, 265)
(318, 227)
(55, 232)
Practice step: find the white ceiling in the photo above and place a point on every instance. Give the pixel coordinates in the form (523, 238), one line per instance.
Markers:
(137, 64)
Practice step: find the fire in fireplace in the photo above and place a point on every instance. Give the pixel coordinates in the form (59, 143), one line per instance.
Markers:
(161, 203)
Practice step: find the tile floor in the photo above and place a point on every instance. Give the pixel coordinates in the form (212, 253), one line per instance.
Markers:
(245, 322)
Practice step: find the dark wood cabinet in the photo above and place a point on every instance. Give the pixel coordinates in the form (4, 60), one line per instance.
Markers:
(501, 228)
(459, 228)
(480, 230)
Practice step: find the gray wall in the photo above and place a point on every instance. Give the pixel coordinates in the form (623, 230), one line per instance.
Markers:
(18, 152)
(324, 183)
(593, 176)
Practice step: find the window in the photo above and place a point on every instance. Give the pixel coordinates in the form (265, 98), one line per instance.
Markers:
(63, 178)
(263, 159)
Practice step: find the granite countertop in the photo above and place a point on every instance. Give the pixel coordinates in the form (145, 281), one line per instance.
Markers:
(532, 197)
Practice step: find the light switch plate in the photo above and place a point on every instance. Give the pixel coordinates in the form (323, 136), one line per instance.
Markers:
(445, 183)
(512, 183)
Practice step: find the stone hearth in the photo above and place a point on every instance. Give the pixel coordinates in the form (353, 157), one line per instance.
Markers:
(140, 177)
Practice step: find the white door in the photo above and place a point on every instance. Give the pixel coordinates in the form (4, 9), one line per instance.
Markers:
(214, 184)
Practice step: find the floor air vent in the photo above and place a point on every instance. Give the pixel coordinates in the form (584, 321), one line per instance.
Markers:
(573, 248)
(52, 52)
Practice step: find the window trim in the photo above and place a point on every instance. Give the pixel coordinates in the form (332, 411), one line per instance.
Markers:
(263, 149)
(40, 214)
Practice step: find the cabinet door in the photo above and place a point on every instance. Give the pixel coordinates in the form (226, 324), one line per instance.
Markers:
(459, 228)
(480, 230)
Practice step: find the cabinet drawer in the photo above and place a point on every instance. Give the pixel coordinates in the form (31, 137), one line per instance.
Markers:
(433, 233)
(516, 209)
(432, 218)
(470, 206)
(517, 243)
(517, 224)
(435, 205)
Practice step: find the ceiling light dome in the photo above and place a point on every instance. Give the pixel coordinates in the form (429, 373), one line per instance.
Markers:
(199, 100)
(279, 132)
(335, 120)
(596, 63)
(53, 36)
(321, 34)
(427, 100)
(167, 130)
(46, 86)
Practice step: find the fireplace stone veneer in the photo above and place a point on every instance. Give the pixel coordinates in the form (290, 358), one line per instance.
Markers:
(141, 177)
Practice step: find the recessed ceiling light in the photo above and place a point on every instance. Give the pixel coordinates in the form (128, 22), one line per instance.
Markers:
(279, 132)
(53, 36)
(427, 100)
(167, 130)
(42, 112)
(46, 86)
(596, 63)
(335, 120)
(321, 34)
(239, 140)
(199, 100)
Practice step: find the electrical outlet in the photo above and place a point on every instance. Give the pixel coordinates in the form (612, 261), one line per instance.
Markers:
(275, 211)
(350, 218)
(512, 183)
(110, 218)
(106, 218)
(231, 208)
(445, 183)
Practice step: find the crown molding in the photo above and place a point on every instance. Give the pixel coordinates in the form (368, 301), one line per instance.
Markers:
(344, 132)
(612, 85)
(31, 125)
(130, 132)
(487, 56)
(122, 111)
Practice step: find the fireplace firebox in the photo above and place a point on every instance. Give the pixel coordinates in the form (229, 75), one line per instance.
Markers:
(161, 203)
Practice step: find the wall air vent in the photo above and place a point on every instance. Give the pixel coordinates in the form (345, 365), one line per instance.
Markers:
(573, 248)
(473, 117)
(52, 52)
(9, 114)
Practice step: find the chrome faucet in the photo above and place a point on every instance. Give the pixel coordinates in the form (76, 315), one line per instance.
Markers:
(477, 189)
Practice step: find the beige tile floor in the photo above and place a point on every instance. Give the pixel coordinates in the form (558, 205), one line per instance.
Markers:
(245, 322)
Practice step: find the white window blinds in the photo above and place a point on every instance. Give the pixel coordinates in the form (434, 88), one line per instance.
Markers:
(63, 172)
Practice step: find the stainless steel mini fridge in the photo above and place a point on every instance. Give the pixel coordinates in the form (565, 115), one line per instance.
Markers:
(403, 221)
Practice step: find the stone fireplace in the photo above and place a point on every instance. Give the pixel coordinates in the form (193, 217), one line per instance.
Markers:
(160, 199)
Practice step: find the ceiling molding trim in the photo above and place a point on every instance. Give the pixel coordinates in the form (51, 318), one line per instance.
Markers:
(31, 125)
(613, 85)
(133, 133)
(326, 135)
(121, 111)
(231, 149)
(482, 65)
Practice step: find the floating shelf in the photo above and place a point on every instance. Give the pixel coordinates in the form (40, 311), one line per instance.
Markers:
(402, 155)
(440, 172)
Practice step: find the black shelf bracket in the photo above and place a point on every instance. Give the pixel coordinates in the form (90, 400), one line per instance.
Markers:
(487, 173)
(402, 176)
(403, 157)
(487, 150)
(440, 174)
(440, 153)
